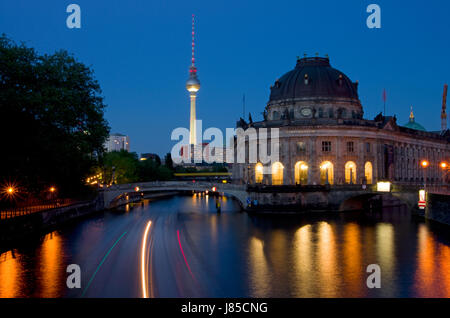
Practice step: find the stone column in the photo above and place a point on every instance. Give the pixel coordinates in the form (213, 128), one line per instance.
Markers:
(314, 171)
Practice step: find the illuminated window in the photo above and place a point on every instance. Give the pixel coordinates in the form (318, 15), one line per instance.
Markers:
(350, 172)
(258, 173)
(326, 146)
(277, 173)
(368, 172)
(301, 172)
(326, 173)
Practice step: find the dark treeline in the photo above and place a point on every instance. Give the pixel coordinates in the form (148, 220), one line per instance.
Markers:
(128, 168)
(51, 119)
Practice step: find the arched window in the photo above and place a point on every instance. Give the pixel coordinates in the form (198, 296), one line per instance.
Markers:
(326, 173)
(350, 172)
(277, 173)
(301, 172)
(368, 172)
(259, 173)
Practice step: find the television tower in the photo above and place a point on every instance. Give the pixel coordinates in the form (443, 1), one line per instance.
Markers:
(192, 85)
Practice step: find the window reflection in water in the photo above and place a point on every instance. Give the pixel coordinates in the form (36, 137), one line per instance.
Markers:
(259, 273)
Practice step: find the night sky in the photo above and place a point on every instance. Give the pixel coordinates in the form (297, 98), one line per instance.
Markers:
(140, 52)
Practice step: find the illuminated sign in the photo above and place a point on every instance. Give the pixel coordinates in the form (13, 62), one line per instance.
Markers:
(422, 199)
(384, 187)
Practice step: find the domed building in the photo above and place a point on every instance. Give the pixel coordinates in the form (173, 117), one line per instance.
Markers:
(325, 139)
(412, 123)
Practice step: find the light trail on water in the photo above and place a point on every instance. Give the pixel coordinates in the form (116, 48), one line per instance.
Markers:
(143, 272)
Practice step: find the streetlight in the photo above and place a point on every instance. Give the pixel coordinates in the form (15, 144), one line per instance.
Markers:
(444, 167)
(52, 189)
(10, 191)
(424, 164)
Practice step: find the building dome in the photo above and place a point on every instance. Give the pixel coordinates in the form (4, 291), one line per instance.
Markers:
(313, 77)
(314, 89)
(411, 124)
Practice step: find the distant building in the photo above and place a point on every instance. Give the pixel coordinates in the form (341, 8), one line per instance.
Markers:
(117, 142)
(202, 154)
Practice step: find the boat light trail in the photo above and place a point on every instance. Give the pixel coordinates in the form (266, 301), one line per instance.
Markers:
(143, 276)
(182, 252)
(101, 263)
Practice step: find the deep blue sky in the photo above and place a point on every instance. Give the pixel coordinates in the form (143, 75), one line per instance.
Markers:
(140, 52)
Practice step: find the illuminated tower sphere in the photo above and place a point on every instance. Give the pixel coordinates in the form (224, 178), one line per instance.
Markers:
(192, 85)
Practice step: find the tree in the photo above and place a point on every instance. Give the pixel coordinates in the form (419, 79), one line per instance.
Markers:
(151, 170)
(125, 165)
(51, 114)
(168, 162)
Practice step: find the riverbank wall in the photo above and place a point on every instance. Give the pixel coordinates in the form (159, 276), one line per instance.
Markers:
(20, 227)
(438, 208)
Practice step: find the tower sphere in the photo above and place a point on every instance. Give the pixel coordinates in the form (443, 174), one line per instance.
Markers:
(193, 84)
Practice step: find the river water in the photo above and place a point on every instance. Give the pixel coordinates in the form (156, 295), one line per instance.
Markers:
(192, 251)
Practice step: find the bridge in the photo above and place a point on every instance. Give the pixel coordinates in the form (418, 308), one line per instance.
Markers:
(295, 198)
(123, 193)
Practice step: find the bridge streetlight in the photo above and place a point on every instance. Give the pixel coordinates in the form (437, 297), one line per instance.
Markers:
(445, 168)
(424, 164)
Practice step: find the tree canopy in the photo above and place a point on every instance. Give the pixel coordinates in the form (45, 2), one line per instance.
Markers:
(129, 169)
(51, 118)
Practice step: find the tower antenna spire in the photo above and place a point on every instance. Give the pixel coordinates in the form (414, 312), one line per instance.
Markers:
(193, 43)
(193, 85)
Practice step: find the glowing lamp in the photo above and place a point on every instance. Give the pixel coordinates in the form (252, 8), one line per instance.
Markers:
(424, 163)
(52, 189)
(421, 195)
(214, 189)
(422, 199)
(383, 186)
(136, 189)
(443, 165)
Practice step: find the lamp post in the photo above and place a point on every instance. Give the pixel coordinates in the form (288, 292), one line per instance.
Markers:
(424, 164)
(444, 166)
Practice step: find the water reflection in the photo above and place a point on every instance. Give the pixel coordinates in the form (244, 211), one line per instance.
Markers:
(259, 273)
(433, 266)
(10, 272)
(385, 243)
(51, 266)
(352, 255)
(303, 261)
(328, 273)
(234, 254)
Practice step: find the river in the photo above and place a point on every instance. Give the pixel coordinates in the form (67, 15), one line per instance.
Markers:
(181, 247)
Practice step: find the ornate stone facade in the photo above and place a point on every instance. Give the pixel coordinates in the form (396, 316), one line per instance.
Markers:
(324, 138)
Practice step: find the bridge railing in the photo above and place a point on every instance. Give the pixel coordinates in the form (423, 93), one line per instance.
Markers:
(174, 184)
(26, 210)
